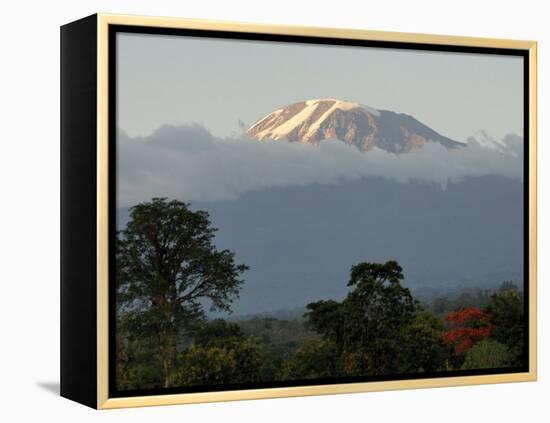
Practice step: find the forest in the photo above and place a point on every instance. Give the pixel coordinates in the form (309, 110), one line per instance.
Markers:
(170, 275)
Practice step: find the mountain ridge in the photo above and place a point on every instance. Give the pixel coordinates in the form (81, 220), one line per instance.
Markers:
(313, 121)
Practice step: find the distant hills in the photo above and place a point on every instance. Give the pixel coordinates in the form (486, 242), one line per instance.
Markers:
(300, 242)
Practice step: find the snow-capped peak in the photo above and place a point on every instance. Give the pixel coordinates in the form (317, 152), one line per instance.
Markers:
(487, 141)
(312, 121)
(343, 105)
(511, 144)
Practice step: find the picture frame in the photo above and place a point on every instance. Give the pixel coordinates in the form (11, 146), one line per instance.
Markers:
(91, 108)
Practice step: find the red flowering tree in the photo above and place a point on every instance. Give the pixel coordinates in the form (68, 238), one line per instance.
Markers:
(467, 327)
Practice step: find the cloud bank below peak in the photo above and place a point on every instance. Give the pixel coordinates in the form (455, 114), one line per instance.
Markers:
(189, 163)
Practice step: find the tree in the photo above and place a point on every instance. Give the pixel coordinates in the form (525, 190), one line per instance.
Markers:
(488, 354)
(374, 313)
(214, 330)
(134, 355)
(506, 313)
(325, 317)
(313, 359)
(167, 268)
(367, 326)
(423, 349)
(467, 326)
(223, 360)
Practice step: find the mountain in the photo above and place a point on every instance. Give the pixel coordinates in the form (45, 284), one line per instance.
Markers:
(485, 140)
(300, 242)
(313, 121)
(511, 144)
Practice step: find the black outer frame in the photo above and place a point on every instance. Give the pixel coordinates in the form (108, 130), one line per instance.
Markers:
(79, 59)
(79, 211)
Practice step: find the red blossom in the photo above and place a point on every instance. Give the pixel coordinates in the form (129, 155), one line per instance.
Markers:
(467, 327)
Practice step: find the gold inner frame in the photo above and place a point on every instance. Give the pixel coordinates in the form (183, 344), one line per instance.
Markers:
(103, 400)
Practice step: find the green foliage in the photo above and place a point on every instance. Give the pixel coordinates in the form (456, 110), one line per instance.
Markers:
(506, 313)
(280, 339)
(313, 359)
(488, 354)
(326, 318)
(373, 315)
(235, 360)
(217, 330)
(423, 349)
(367, 326)
(166, 254)
(134, 356)
(167, 267)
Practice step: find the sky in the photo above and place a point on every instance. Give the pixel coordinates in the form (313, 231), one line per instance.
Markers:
(179, 80)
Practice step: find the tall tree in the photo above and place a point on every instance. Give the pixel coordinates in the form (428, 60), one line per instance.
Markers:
(375, 312)
(168, 269)
(367, 326)
(506, 312)
(423, 349)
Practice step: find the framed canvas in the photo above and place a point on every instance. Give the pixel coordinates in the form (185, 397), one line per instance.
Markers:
(254, 211)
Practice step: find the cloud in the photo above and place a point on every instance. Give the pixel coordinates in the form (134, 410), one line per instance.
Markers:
(189, 163)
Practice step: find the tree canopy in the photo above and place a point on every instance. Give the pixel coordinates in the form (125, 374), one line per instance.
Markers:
(367, 326)
(167, 270)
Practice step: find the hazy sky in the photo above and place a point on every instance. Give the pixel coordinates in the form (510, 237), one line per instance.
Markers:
(180, 80)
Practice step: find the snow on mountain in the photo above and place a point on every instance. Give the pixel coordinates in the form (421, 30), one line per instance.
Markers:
(511, 144)
(485, 140)
(313, 121)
